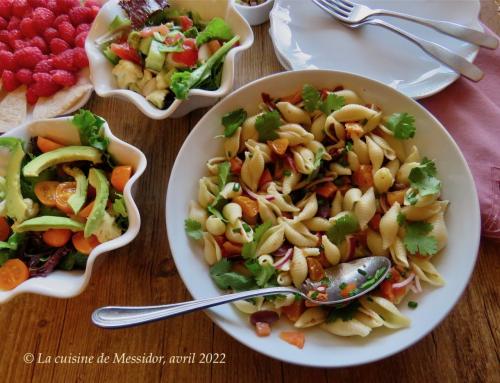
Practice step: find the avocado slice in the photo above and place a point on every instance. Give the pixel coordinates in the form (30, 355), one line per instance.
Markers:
(77, 200)
(134, 39)
(98, 180)
(47, 222)
(17, 208)
(144, 44)
(61, 155)
(110, 55)
(155, 58)
(119, 22)
(157, 98)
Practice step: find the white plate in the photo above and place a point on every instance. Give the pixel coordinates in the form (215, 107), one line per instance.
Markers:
(321, 349)
(67, 284)
(305, 37)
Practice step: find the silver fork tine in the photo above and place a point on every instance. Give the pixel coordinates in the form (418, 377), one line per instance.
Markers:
(332, 10)
(340, 5)
(347, 3)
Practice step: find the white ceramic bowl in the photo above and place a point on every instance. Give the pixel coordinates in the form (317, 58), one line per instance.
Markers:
(257, 14)
(66, 284)
(321, 349)
(104, 82)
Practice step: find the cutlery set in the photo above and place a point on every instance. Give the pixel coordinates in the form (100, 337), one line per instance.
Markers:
(355, 15)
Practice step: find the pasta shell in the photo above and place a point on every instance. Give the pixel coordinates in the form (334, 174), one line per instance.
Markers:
(268, 211)
(389, 225)
(374, 243)
(393, 166)
(309, 209)
(394, 144)
(311, 317)
(290, 181)
(297, 234)
(353, 112)
(304, 159)
(248, 307)
(351, 196)
(383, 180)
(280, 201)
(353, 160)
(237, 234)
(350, 327)
(337, 204)
(365, 208)
(215, 225)
(334, 129)
(280, 301)
(375, 153)
(332, 252)
(271, 240)
(389, 313)
(389, 152)
(213, 164)
(439, 230)
(205, 195)
(231, 190)
(318, 127)
(248, 130)
(265, 259)
(293, 114)
(422, 201)
(350, 97)
(232, 144)
(295, 134)
(414, 213)
(284, 278)
(211, 249)
(298, 267)
(340, 170)
(198, 213)
(426, 271)
(414, 155)
(398, 253)
(373, 122)
(252, 169)
(361, 149)
(404, 172)
(264, 149)
(369, 318)
(232, 212)
(317, 224)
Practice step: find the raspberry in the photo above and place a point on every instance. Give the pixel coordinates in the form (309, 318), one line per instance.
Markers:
(13, 23)
(28, 57)
(67, 32)
(65, 61)
(3, 23)
(44, 66)
(37, 3)
(49, 34)
(4, 47)
(44, 86)
(24, 76)
(82, 28)
(20, 8)
(4, 36)
(43, 18)
(31, 97)
(59, 19)
(5, 8)
(91, 3)
(51, 5)
(80, 39)
(7, 61)
(9, 81)
(63, 78)
(80, 58)
(63, 6)
(20, 44)
(40, 43)
(58, 45)
(14, 36)
(81, 15)
(27, 27)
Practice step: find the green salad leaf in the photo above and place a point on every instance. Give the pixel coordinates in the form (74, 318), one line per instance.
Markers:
(402, 125)
(91, 129)
(233, 120)
(267, 125)
(216, 29)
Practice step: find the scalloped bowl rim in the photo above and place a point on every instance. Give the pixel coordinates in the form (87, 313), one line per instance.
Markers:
(38, 287)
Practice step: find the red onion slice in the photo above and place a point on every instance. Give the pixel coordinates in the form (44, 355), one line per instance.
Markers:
(404, 283)
(255, 196)
(281, 262)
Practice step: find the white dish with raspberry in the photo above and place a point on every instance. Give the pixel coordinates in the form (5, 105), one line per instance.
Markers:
(104, 81)
(43, 64)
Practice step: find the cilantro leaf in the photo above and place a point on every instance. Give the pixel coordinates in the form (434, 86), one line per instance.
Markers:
(401, 219)
(233, 120)
(318, 157)
(345, 313)
(402, 125)
(267, 125)
(311, 98)
(90, 129)
(262, 273)
(223, 174)
(193, 228)
(423, 181)
(347, 224)
(331, 103)
(249, 248)
(216, 29)
(416, 239)
(225, 279)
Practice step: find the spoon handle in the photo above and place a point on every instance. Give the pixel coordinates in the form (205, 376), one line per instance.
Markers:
(126, 316)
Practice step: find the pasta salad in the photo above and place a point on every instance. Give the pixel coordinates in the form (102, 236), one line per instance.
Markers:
(314, 179)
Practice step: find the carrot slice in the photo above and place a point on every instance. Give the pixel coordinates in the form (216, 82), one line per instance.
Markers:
(4, 229)
(12, 274)
(295, 338)
(346, 290)
(45, 191)
(85, 212)
(120, 176)
(46, 145)
(56, 237)
(82, 244)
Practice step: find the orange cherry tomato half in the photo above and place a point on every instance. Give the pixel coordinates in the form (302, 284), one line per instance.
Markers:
(63, 192)
(12, 274)
(120, 176)
(82, 244)
(45, 191)
(56, 237)
(46, 145)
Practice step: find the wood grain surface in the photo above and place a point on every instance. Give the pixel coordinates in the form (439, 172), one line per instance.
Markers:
(464, 348)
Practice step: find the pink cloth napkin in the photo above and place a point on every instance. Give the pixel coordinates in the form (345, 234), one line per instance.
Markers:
(471, 114)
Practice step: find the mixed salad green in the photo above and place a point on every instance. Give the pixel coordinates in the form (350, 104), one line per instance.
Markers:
(162, 53)
(58, 202)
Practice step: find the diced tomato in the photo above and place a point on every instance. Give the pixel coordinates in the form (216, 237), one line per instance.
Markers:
(327, 190)
(172, 40)
(265, 178)
(236, 164)
(315, 270)
(230, 249)
(375, 221)
(220, 239)
(126, 52)
(363, 177)
(294, 311)
(295, 338)
(293, 98)
(189, 57)
(346, 290)
(149, 31)
(323, 260)
(262, 329)
(279, 146)
(386, 290)
(4, 229)
(185, 22)
(249, 207)
(396, 196)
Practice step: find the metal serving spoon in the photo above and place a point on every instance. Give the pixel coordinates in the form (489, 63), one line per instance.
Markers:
(364, 273)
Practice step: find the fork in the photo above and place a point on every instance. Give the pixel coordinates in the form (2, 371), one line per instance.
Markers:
(360, 12)
(446, 56)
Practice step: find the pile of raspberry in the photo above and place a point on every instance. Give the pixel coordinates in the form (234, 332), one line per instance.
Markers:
(42, 44)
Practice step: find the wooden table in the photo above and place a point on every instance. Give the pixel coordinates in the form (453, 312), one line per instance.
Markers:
(464, 348)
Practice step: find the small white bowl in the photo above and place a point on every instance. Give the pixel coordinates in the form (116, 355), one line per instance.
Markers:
(67, 284)
(256, 14)
(104, 82)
